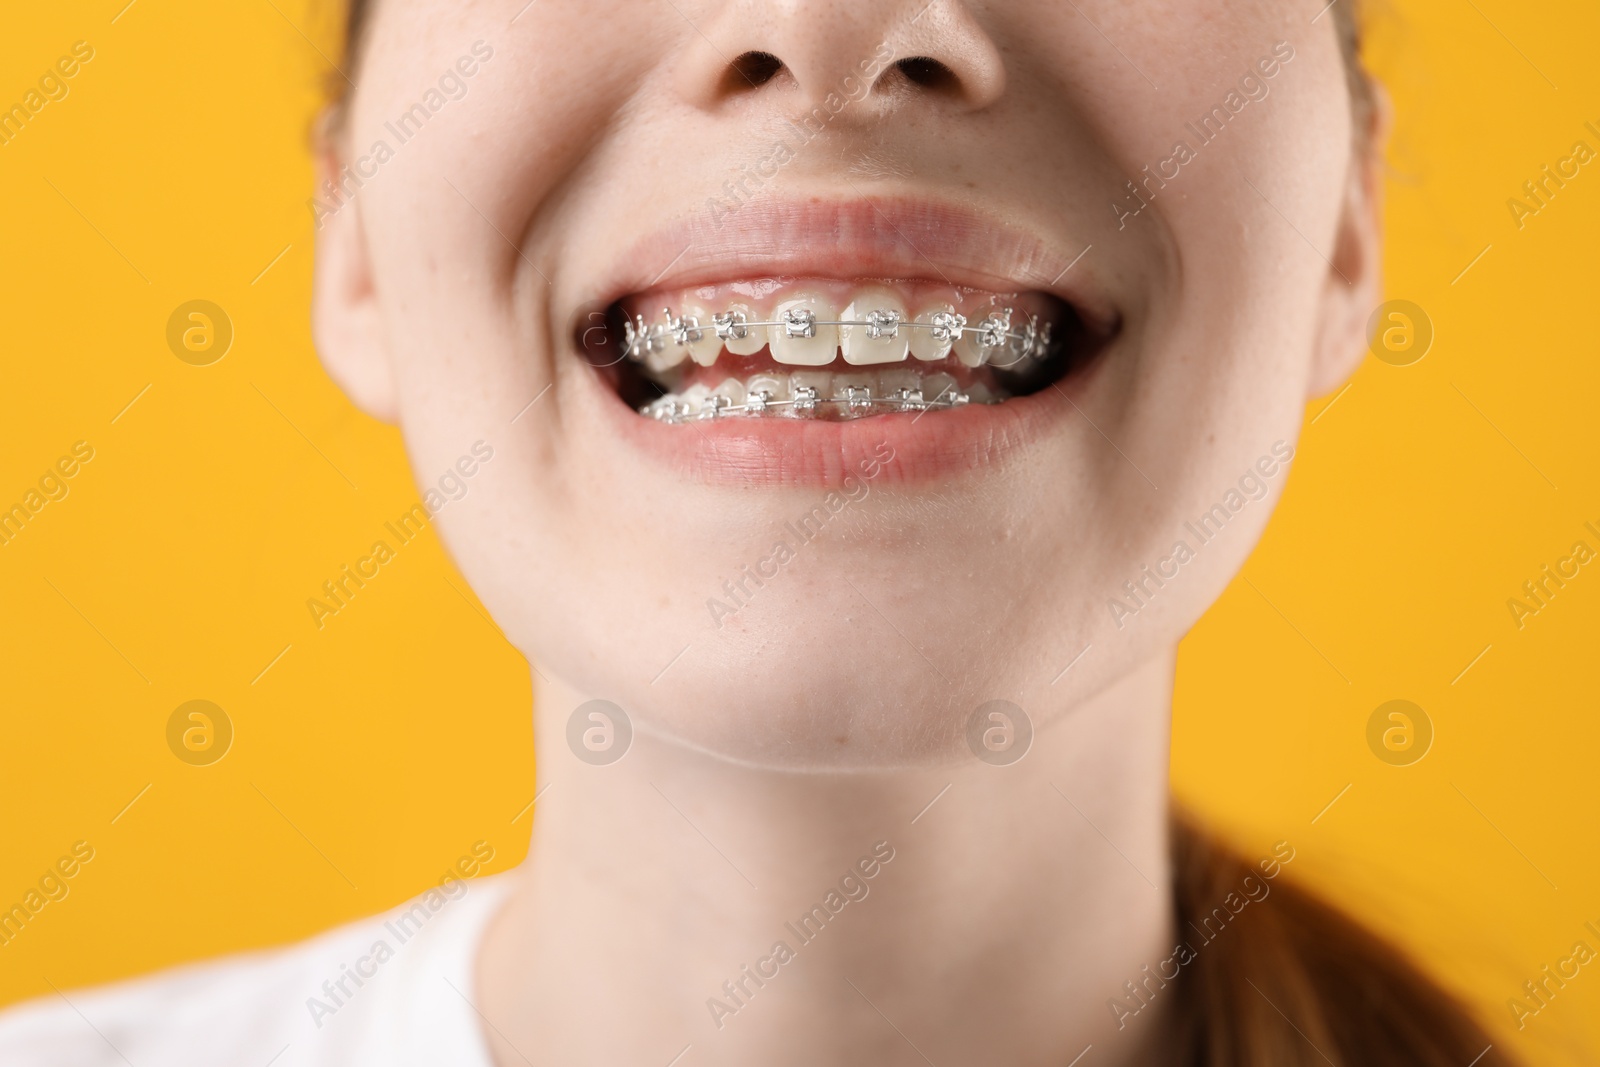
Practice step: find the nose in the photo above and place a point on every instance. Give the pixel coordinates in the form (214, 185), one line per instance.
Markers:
(858, 60)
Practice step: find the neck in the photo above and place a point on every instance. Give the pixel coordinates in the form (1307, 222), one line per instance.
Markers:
(990, 913)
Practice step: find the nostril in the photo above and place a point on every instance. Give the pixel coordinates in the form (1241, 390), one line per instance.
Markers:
(751, 70)
(927, 72)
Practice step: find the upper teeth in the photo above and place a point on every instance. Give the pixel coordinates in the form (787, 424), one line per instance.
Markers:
(864, 333)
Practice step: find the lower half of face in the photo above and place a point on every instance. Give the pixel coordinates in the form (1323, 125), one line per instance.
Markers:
(847, 368)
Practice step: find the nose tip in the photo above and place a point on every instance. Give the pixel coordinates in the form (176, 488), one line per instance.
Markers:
(879, 56)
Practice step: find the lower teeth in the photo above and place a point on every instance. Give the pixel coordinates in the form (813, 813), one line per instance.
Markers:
(812, 395)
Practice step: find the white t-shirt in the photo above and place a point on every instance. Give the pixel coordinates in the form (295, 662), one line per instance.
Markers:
(394, 990)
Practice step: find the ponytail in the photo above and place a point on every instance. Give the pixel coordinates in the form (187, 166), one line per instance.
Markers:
(1292, 982)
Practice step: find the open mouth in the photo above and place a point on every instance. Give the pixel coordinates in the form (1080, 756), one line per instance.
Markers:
(809, 348)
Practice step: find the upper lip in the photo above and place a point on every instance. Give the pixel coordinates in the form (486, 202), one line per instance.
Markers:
(863, 237)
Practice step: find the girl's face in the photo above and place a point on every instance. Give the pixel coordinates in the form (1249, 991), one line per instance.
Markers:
(1169, 186)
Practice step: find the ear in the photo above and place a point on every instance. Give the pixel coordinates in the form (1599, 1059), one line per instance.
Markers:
(1355, 280)
(345, 324)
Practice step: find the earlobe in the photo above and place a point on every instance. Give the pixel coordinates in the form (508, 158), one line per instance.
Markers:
(1354, 286)
(345, 324)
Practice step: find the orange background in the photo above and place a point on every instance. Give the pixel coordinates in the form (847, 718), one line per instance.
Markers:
(371, 754)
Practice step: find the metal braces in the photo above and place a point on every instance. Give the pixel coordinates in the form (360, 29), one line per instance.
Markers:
(857, 400)
(994, 331)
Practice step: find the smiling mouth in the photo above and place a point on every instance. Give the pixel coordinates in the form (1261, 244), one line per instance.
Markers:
(824, 349)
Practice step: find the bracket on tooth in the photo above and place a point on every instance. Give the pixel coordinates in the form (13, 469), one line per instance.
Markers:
(883, 323)
(673, 411)
(947, 325)
(800, 322)
(640, 339)
(1021, 344)
(992, 331)
(909, 399)
(685, 330)
(857, 400)
(730, 325)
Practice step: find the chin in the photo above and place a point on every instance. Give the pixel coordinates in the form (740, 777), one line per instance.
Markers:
(863, 655)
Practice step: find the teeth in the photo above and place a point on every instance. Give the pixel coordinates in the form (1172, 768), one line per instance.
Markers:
(647, 343)
(667, 358)
(742, 339)
(938, 387)
(847, 385)
(858, 399)
(695, 396)
(892, 381)
(883, 341)
(807, 394)
(732, 390)
(804, 339)
(970, 347)
(819, 382)
(695, 333)
(776, 388)
(930, 344)
(1017, 347)
(806, 331)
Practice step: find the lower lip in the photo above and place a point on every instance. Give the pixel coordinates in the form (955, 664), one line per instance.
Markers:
(903, 447)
